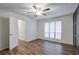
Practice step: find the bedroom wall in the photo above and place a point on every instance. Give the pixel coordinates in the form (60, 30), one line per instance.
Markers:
(32, 29)
(67, 29)
(4, 33)
(27, 29)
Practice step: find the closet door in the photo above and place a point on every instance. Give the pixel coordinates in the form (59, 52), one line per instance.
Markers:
(76, 29)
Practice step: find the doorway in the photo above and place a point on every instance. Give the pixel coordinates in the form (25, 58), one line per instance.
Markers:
(22, 29)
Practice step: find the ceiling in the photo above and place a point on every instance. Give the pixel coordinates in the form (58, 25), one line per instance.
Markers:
(56, 9)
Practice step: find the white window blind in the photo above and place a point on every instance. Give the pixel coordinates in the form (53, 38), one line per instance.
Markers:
(53, 29)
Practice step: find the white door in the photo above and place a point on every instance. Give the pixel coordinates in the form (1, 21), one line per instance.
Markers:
(13, 41)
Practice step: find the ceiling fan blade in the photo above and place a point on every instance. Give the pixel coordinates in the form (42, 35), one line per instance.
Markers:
(46, 9)
(44, 14)
(34, 7)
(35, 15)
(29, 12)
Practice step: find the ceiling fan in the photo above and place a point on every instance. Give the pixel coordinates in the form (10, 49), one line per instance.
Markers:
(39, 11)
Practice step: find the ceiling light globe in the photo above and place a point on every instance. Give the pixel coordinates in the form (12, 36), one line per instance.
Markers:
(38, 13)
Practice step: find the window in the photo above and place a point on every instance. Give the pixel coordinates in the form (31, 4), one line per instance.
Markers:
(53, 29)
(46, 29)
(58, 30)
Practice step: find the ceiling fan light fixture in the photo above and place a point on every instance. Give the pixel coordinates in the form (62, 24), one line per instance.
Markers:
(38, 13)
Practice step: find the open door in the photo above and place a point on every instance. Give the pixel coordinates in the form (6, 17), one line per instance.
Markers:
(13, 39)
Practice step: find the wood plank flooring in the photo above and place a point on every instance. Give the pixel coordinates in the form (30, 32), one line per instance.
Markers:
(40, 47)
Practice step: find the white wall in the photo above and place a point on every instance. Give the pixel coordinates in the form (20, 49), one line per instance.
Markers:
(27, 30)
(67, 29)
(4, 33)
(31, 29)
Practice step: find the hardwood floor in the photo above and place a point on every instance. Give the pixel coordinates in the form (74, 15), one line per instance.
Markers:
(40, 47)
